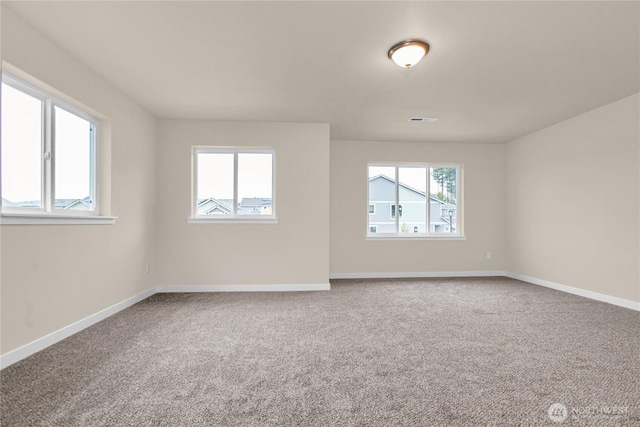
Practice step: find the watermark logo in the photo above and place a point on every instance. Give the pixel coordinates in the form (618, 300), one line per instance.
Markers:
(558, 412)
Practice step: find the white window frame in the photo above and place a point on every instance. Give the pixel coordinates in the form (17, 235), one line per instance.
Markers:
(427, 235)
(233, 218)
(47, 213)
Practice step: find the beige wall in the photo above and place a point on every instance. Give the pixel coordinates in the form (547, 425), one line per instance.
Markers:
(54, 275)
(293, 251)
(572, 195)
(483, 201)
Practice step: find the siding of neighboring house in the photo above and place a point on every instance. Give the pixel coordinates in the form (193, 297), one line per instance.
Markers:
(255, 206)
(382, 197)
(438, 224)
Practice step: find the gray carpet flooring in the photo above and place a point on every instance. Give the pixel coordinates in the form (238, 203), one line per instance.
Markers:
(477, 351)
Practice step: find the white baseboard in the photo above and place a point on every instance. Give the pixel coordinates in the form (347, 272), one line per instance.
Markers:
(405, 275)
(633, 305)
(27, 350)
(244, 288)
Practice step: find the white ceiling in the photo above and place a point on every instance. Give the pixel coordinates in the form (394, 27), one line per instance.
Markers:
(496, 70)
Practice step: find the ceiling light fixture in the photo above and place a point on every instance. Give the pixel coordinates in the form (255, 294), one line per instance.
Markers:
(408, 53)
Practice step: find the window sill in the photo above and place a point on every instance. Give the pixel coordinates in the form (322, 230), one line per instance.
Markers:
(422, 237)
(36, 219)
(234, 220)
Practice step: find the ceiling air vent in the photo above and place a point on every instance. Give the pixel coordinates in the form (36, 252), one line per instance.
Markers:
(423, 119)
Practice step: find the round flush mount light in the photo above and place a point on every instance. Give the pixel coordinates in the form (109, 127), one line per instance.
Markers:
(408, 53)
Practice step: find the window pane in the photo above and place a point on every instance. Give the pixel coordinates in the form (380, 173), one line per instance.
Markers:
(412, 197)
(255, 184)
(215, 183)
(21, 149)
(73, 162)
(382, 196)
(443, 203)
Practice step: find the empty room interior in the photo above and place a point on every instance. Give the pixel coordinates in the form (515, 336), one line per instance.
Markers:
(320, 213)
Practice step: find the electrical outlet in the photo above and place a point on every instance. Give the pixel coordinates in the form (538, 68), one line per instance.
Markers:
(489, 255)
(147, 268)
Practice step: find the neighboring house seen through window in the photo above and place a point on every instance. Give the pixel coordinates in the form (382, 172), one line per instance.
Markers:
(48, 154)
(426, 197)
(233, 183)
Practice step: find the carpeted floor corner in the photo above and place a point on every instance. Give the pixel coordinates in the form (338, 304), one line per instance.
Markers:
(437, 352)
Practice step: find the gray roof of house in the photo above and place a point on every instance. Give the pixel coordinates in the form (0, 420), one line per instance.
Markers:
(422, 193)
(210, 206)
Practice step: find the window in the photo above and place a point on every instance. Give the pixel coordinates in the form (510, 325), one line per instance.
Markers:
(372, 209)
(233, 184)
(48, 154)
(425, 196)
(393, 210)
